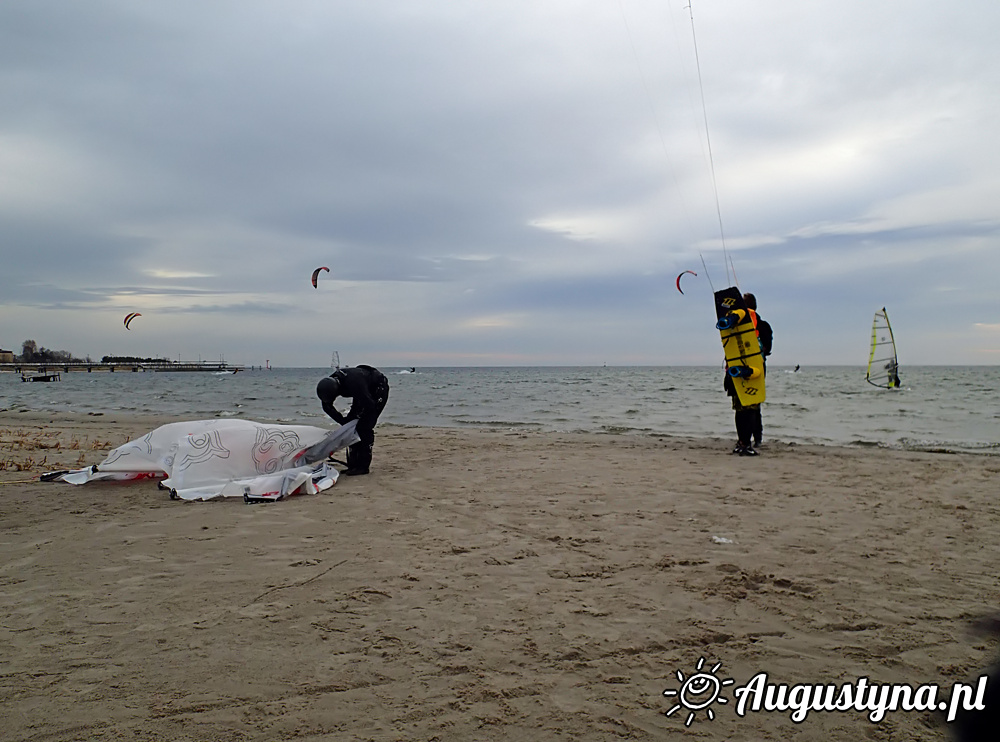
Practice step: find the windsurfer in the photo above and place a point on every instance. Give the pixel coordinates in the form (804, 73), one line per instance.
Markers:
(883, 353)
(893, 369)
(369, 391)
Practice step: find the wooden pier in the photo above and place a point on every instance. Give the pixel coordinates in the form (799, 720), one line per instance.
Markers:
(50, 369)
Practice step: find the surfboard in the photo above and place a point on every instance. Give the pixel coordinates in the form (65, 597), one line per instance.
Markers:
(744, 360)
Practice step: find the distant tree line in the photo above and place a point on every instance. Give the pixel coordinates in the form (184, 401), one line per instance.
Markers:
(134, 359)
(31, 353)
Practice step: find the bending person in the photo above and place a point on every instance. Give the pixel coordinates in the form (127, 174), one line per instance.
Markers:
(369, 391)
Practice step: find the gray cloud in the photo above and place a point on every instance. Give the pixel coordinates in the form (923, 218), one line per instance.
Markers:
(496, 180)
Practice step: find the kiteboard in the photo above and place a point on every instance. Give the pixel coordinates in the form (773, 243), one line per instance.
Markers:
(744, 360)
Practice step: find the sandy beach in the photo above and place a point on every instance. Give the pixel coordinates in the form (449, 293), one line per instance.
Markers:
(488, 585)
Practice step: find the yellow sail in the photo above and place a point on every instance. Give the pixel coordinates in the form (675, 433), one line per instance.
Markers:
(883, 366)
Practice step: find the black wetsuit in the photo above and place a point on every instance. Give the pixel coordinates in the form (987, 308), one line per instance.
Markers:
(369, 391)
(765, 336)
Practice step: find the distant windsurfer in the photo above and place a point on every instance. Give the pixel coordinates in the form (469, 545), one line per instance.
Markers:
(749, 424)
(882, 354)
(369, 391)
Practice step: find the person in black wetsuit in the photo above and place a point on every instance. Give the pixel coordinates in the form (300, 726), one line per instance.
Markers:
(893, 370)
(749, 424)
(980, 724)
(369, 391)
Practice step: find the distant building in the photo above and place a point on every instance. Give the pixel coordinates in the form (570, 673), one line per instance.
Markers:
(6, 356)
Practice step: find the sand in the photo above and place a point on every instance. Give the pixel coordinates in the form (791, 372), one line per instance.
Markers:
(487, 585)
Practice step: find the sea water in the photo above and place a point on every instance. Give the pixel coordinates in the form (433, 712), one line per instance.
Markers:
(938, 408)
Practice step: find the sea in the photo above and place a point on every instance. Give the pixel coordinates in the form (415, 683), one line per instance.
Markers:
(938, 408)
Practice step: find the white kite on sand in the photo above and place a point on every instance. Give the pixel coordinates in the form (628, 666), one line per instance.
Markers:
(204, 459)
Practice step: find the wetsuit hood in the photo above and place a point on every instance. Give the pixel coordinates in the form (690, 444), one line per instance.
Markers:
(328, 389)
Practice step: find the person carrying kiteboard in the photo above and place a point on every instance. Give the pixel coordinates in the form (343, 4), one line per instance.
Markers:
(369, 391)
(749, 423)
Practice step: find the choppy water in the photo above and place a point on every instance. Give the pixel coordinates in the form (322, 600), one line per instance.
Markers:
(938, 408)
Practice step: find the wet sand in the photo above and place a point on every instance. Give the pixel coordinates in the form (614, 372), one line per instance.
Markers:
(487, 585)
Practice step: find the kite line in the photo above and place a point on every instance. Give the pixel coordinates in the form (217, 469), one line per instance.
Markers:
(711, 159)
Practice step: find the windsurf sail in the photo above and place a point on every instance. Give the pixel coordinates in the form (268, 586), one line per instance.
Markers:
(883, 366)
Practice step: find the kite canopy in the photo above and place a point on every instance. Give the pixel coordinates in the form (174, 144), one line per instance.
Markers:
(129, 317)
(678, 282)
(315, 275)
(204, 459)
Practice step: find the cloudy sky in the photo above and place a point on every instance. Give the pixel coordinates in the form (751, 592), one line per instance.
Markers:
(498, 182)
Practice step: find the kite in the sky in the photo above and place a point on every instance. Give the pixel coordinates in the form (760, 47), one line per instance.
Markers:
(678, 282)
(316, 274)
(129, 317)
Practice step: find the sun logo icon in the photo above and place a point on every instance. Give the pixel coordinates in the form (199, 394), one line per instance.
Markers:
(698, 692)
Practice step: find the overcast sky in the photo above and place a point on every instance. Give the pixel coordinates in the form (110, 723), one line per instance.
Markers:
(498, 182)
